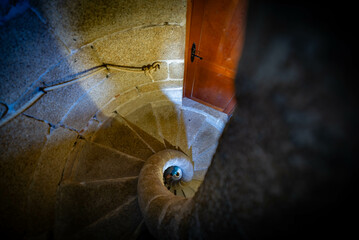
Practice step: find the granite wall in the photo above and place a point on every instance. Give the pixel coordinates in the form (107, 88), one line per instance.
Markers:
(47, 42)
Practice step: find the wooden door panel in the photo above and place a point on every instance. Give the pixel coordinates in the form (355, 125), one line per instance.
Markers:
(207, 87)
(217, 29)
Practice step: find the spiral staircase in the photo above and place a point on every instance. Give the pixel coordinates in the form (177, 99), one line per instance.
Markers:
(97, 197)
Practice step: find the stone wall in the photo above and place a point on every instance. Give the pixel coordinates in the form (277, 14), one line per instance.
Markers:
(47, 43)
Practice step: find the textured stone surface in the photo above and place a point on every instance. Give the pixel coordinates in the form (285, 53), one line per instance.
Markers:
(90, 129)
(206, 137)
(107, 111)
(151, 141)
(95, 19)
(168, 119)
(88, 104)
(176, 70)
(48, 173)
(156, 86)
(113, 226)
(194, 184)
(116, 134)
(142, 45)
(146, 120)
(203, 160)
(142, 100)
(174, 95)
(96, 162)
(18, 161)
(82, 204)
(199, 174)
(188, 192)
(27, 50)
(190, 124)
(216, 118)
(55, 104)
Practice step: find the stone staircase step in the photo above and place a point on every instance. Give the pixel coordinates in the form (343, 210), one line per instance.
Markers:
(121, 223)
(189, 124)
(178, 191)
(97, 162)
(151, 141)
(199, 174)
(204, 159)
(116, 134)
(194, 184)
(215, 117)
(208, 135)
(188, 191)
(145, 119)
(167, 115)
(81, 204)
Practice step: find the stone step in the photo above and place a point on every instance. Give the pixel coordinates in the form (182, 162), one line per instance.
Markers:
(204, 159)
(150, 141)
(206, 137)
(167, 115)
(178, 191)
(216, 118)
(82, 204)
(145, 119)
(189, 124)
(188, 191)
(121, 223)
(199, 174)
(194, 184)
(116, 134)
(96, 162)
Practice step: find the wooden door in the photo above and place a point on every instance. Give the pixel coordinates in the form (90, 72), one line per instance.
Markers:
(216, 27)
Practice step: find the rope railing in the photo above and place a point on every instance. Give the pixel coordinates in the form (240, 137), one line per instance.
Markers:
(11, 113)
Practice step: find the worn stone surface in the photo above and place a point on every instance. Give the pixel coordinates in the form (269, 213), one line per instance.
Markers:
(216, 118)
(27, 50)
(206, 137)
(88, 104)
(150, 140)
(108, 110)
(168, 119)
(96, 162)
(203, 160)
(174, 95)
(90, 129)
(80, 205)
(55, 104)
(142, 100)
(156, 86)
(194, 184)
(190, 124)
(116, 134)
(110, 16)
(146, 120)
(47, 176)
(176, 70)
(142, 45)
(188, 192)
(199, 174)
(112, 225)
(18, 161)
